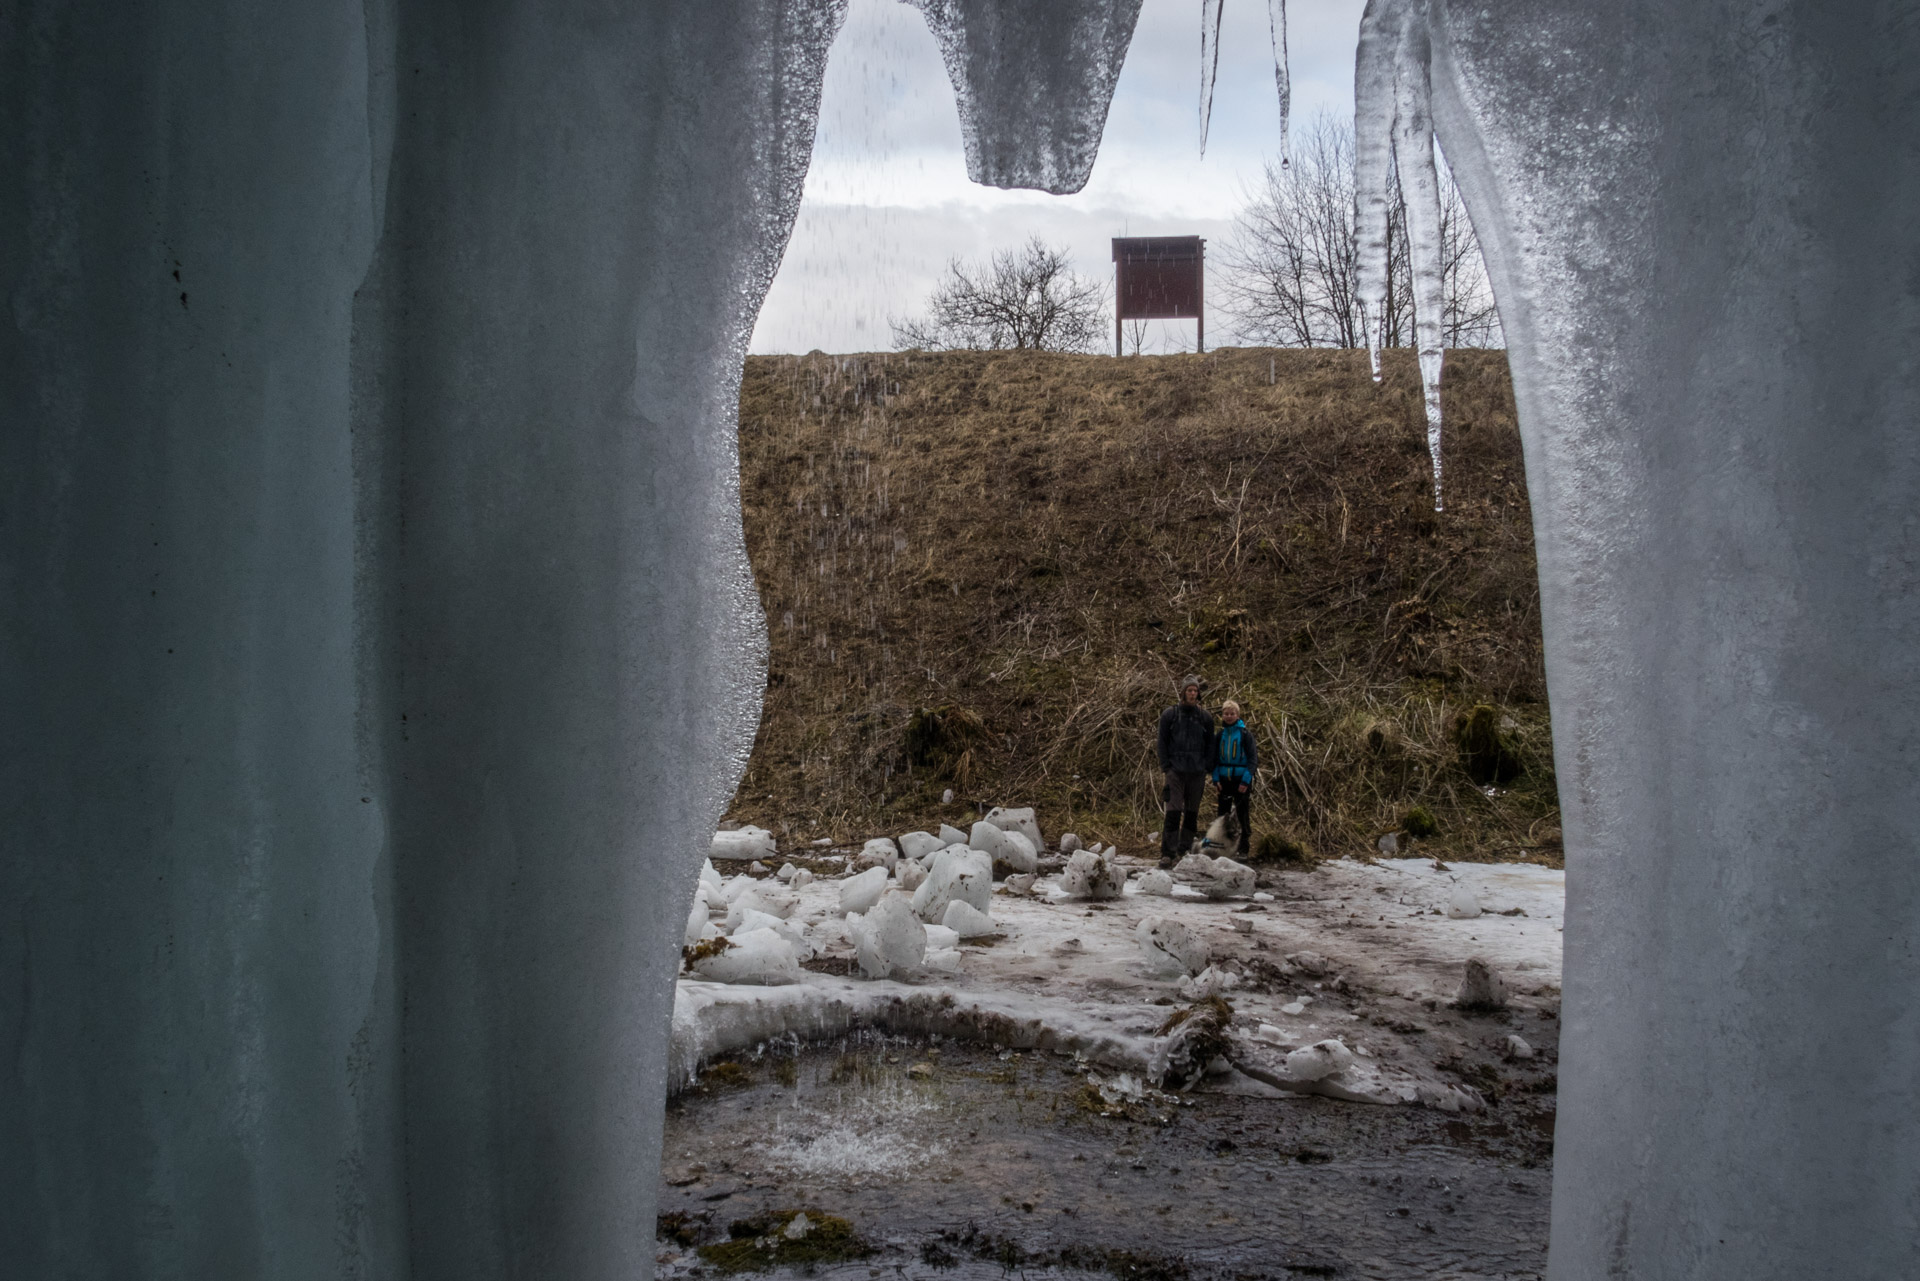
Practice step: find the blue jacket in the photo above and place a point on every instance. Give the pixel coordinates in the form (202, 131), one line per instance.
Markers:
(1235, 757)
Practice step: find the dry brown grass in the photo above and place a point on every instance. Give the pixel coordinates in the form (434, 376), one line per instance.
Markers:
(1028, 549)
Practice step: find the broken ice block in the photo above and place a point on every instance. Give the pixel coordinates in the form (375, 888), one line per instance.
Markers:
(951, 835)
(1463, 906)
(1021, 821)
(920, 845)
(1170, 947)
(889, 937)
(878, 852)
(752, 956)
(1321, 1059)
(958, 873)
(966, 920)
(747, 843)
(1156, 882)
(909, 874)
(858, 893)
(1092, 876)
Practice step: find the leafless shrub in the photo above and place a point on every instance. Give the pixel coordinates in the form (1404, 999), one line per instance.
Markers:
(1027, 299)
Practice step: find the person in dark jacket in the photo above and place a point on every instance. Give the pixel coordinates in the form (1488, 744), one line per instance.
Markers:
(1186, 758)
(1235, 758)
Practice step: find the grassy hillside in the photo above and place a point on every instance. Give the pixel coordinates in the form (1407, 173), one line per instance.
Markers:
(985, 571)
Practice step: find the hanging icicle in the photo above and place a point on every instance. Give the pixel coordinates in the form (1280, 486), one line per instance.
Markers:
(1393, 133)
(1210, 11)
(1282, 77)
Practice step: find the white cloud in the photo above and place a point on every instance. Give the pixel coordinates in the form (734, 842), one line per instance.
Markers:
(888, 202)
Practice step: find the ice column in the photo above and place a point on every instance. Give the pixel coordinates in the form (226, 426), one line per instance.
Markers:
(1393, 134)
(1699, 221)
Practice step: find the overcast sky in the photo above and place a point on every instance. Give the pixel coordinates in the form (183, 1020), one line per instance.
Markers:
(888, 202)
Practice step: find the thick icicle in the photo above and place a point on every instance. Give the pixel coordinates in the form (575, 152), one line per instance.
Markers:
(1373, 166)
(1282, 77)
(1210, 11)
(1393, 119)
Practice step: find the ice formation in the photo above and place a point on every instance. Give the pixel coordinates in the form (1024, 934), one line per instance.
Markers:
(1462, 905)
(858, 893)
(369, 472)
(1021, 820)
(1215, 877)
(966, 920)
(1393, 134)
(1154, 882)
(751, 956)
(957, 873)
(920, 845)
(878, 852)
(1210, 11)
(889, 937)
(1282, 75)
(746, 843)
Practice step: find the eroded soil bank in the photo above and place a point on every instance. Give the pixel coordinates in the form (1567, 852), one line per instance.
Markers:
(952, 1160)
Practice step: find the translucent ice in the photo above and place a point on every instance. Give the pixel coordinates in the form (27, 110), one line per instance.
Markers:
(752, 956)
(1282, 77)
(746, 843)
(889, 937)
(698, 923)
(1016, 853)
(958, 873)
(909, 874)
(920, 845)
(1209, 61)
(862, 891)
(1156, 882)
(966, 920)
(951, 835)
(1317, 1061)
(1462, 905)
(1020, 820)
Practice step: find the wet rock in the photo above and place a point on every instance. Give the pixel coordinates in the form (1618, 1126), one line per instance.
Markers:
(1309, 963)
(1481, 988)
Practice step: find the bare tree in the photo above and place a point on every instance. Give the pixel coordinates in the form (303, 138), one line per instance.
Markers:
(1027, 298)
(1292, 270)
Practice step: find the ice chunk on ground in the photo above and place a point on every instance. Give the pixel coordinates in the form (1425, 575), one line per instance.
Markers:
(1463, 906)
(1516, 1048)
(761, 898)
(1294, 1007)
(1022, 884)
(861, 892)
(1481, 987)
(889, 937)
(921, 845)
(1211, 981)
(798, 1227)
(801, 877)
(878, 852)
(909, 874)
(1217, 878)
(1273, 1036)
(951, 835)
(786, 873)
(747, 843)
(710, 875)
(958, 873)
(697, 922)
(1069, 843)
(1169, 947)
(751, 956)
(1092, 876)
(753, 919)
(1309, 963)
(1155, 882)
(966, 920)
(1261, 896)
(1321, 1059)
(939, 936)
(1021, 821)
(946, 959)
(1016, 853)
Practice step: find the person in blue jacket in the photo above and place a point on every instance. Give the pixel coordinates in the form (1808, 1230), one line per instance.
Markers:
(1235, 758)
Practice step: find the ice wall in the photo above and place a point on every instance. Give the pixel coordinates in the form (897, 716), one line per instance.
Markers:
(378, 643)
(1700, 221)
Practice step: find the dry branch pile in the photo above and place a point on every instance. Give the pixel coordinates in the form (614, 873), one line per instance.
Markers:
(984, 571)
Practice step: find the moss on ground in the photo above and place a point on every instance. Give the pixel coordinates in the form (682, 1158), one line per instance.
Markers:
(762, 1242)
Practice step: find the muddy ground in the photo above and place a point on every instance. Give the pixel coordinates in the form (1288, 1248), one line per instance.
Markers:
(951, 1160)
